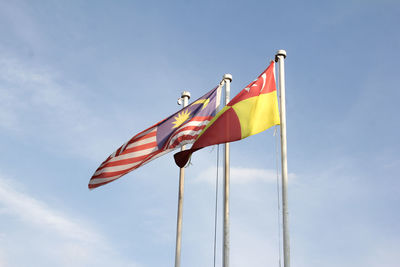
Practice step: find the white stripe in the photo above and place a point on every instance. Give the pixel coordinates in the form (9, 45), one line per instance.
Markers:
(184, 142)
(117, 168)
(197, 124)
(142, 142)
(185, 133)
(109, 179)
(133, 154)
(146, 132)
(191, 123)
(103, 180)
(157, 156)
(120, 150)
(194, 123)
(137, 142)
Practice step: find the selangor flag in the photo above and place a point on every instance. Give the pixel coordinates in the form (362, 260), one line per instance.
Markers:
(252, 111)
(179, 129)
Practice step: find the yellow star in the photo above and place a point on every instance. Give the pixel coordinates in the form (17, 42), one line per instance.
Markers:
(181, 118)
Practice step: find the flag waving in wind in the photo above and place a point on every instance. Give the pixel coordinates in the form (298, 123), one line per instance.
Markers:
(252, 111)
(181, 128)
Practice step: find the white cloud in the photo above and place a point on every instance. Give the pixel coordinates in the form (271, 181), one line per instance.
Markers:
(253, 249)
(32, 211)
(37, 103)
(241, 175)
(36, 89)
(64, 240)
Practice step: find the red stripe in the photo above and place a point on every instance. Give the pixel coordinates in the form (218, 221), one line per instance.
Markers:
(111, 174)
(92, 186)
(199, 118)
(138, 148)
(194, 128)
(124, 161)
(136, 139)
(115, 173)
(183, 138)
(150, 134)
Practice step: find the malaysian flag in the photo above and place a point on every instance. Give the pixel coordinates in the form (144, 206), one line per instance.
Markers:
(179, 129)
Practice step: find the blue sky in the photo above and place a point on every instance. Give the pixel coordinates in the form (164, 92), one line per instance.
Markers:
(78, 79)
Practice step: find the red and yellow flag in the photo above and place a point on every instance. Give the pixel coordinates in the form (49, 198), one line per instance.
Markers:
(252, 111)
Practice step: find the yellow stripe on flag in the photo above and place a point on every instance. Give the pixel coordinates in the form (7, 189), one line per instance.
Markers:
(256, 114)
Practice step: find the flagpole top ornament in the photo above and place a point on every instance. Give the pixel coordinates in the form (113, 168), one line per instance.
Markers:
(280, 53)
(183, 95)
(228, 77)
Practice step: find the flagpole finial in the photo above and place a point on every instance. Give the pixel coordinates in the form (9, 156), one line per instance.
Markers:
(280, 52)
(227, 77)
(185, 96)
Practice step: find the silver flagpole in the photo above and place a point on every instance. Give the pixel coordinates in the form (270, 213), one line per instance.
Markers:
(225, 262)
(279, 57)
(185, 98)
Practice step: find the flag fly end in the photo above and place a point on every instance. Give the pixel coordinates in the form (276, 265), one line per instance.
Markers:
(182, 158)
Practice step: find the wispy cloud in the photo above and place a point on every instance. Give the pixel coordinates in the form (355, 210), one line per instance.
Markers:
(33, 211)
(64, 239)
(37, 103)
(253, 249)
(241, 175)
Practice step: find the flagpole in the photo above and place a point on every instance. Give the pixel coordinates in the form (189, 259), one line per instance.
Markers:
(185, 98)
(279, 57)
(225, 262)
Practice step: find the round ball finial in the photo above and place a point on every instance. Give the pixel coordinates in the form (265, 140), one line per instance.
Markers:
(227, 77)
(280, 53)
(185, 94)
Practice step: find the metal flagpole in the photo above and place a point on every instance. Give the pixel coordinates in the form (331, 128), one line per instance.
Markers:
(185, 98)
(225, 261)
(279, 57)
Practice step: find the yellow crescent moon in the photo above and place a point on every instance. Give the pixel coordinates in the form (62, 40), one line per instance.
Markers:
(202, 101)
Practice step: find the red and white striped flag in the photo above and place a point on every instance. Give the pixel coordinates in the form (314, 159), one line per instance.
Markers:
(179, 129)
